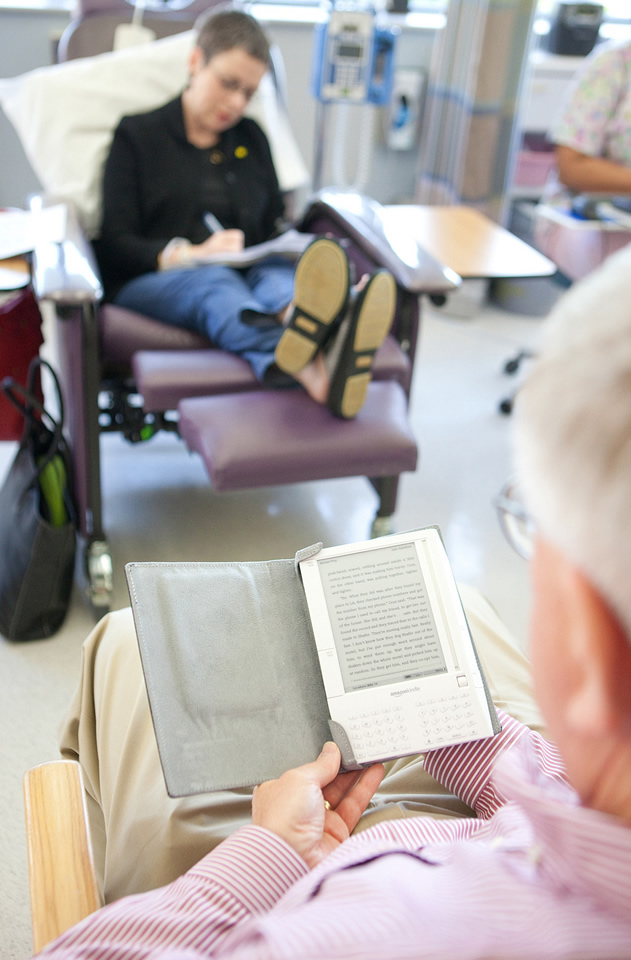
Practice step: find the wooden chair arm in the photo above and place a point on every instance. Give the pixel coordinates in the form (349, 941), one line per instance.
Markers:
(62, 878)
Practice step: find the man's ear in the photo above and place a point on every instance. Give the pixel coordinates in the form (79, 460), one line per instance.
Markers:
(601, 653)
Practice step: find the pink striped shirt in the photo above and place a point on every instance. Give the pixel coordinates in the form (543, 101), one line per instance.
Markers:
(535, 875)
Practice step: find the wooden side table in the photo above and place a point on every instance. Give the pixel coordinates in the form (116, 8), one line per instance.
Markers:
(469, 242)
(475, 247)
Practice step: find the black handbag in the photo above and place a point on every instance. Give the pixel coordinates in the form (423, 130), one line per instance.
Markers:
(37, 519)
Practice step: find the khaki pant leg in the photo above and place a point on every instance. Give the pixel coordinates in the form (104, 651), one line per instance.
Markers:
(142, 837)
(408, 791)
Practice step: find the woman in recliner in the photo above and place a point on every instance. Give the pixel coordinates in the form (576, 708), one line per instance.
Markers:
(194, 178)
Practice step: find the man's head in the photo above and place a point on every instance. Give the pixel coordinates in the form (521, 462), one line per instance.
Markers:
(573, 431)
(573, 454)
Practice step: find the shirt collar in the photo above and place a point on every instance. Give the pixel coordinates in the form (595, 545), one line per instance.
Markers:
(173, 115)
(174, 118)
(580, 849)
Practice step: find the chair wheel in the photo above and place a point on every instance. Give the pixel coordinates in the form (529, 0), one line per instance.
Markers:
(438, 299)
(381, 527)
(99, 574)
(506, 406)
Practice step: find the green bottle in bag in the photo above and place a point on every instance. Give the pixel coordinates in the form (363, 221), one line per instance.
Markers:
(53, 483)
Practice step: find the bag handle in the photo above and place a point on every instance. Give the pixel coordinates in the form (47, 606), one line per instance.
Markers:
(35, 365)
(27, 403)
(11, 386)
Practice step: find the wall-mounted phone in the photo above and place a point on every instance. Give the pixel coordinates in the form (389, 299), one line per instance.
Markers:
(406, 107)
(353, 59)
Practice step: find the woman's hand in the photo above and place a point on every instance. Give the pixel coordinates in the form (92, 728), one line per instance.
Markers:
(314, 808)
(224, 241)
(180, 253)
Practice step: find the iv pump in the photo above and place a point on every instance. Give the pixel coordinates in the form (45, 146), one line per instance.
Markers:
(353, 59)
(353, 65)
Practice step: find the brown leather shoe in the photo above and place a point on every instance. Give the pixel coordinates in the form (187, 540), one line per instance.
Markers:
(321, 288)
(370, 320)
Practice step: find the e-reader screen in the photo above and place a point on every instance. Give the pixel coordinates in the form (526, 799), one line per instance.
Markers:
(382, 623)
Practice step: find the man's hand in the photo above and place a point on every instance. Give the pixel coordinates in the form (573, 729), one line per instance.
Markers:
(314, 807)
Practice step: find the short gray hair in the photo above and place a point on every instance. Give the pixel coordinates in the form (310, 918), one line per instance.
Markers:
(573, 431)
(220, 29)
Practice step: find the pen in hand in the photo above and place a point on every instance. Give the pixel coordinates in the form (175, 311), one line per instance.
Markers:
(212, 224)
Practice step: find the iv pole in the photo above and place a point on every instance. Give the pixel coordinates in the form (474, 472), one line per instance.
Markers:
(323, 119)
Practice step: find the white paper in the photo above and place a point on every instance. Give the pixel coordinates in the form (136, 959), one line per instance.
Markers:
(22, 230)
(290, 244)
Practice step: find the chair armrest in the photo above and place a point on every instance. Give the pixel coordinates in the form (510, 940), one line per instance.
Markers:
(62, 878)
(66, 273)
(363, 220)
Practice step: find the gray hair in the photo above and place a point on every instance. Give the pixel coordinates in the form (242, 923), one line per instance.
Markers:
(220, 29)
(573, 431)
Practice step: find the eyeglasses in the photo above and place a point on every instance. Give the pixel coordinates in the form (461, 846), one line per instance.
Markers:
(232, 85)
(515, 521)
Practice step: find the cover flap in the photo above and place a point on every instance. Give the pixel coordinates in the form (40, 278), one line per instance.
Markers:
(231, 670)
(340, 736)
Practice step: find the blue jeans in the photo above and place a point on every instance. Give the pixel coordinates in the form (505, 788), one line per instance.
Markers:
(211, 299)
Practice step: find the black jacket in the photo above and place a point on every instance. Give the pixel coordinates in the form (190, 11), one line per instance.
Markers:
(157, 186)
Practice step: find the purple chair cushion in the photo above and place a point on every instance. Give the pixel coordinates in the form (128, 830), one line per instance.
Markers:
(392, 363)
(164, 377)
(282, 436)
(124, 332)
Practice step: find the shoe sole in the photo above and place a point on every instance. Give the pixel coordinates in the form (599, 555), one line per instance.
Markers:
(376, 312)
(321, 287)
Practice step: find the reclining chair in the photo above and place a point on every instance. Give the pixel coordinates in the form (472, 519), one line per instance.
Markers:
(129, 373)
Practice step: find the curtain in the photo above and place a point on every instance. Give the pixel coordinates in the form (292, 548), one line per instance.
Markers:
(469, 131)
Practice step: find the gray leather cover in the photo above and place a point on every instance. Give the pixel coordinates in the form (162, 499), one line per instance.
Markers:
(231, 670)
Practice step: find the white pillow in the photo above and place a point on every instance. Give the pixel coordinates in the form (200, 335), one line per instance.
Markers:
(65, 116)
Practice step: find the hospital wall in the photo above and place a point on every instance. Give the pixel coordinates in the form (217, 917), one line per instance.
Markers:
(27, 39)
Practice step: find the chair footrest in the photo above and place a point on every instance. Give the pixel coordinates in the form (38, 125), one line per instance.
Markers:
(283, 436)
(164, 377)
